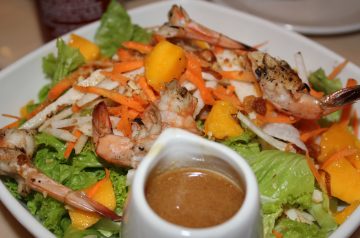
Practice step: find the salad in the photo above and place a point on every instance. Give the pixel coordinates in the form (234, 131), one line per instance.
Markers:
(71, 155)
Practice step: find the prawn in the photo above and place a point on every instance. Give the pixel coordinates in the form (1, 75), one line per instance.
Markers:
(282, 86)
(16, 148)
(279, 83)
(180, 25)
(174, 109)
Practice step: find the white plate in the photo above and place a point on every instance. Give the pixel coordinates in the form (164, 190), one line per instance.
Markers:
(320, 17)
(21, 81)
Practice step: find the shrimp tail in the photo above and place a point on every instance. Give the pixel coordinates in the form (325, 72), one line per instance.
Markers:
(342, 97)
(183, 26)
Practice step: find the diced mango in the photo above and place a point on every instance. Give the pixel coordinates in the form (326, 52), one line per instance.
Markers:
(88, 49)
(105, 195)
(337, 138)
(344, 180)
(341, 216)
(220, 123)
(166, 62)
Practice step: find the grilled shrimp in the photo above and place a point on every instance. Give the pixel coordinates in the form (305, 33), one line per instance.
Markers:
(16, 149)
(174, 109)
(180, 25)
(282, 86)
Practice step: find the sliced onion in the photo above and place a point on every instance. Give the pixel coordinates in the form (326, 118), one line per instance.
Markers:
(63, 114)
(80, 143)
(61, 134)
(284, 132)
(299, 216)
(300, 65)
(200, 103)
(70, 122)
(89, 97)
(258, 131)
(86, 129)
(189, 86)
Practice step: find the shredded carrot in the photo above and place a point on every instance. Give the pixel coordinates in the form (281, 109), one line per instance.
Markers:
(142, 48)
(346, 112)
(38, 109)
(147, 89)
(140, 100)
(10, 116)
(116, 97)
(75, 108)
(124, 124)
(277, 234)
(315, 172)
(227, 95)
(218, 49)
(70, 145)
(118, 77)
(125, 55)
(337, 69)
(310, 134)
(244, 76)
(338, 155)
(127, 66)
(355, 123)
(93, 189)
(14, 124)
(279, 118)
(61, 87)
(193, 74)
(316, 94)
(117, 112)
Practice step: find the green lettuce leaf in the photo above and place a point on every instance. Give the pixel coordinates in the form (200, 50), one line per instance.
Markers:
(68, 59)
(322, 214)
(244, 144)
(118, 179)
(320, 82)
(115, 28)
(293, 229)
(50, 212)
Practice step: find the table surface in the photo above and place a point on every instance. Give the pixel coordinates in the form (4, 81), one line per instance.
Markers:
(20, 34)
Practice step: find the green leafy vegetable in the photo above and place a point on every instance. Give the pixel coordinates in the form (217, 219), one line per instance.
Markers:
(320, 82)
(322, 214)
(115, 28)
(50, 212)
(118, 180)
(68, 59)
(243, 144)
(293, 229)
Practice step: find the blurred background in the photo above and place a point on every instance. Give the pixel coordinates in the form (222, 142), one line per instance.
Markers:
(22, 32)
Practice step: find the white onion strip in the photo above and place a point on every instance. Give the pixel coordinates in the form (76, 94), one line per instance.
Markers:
(61, 134)
(63, 114)
(70, 122)
(285, 132)
(272, 141)
(80, 143)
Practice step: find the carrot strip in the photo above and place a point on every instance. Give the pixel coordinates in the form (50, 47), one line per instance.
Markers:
(10, 116)
(38, 109)
(75, 108)
(147, 89)
(70, 145)
(276, 119)
(337, 69)
(124, 124)
(14, 124)
(338, 155)
(238, 75)
(116, 97)
(315, 172)
(277, 234)
(193, 74)
(221, 93)
(346, 112)
(142, 48)
(125, 55)
(117, 77)
(61, 87)
(127, 66)
(316, 94)
(117, 112)
(310, 134)
(93, 189)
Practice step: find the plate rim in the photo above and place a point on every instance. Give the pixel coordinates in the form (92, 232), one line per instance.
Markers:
(34, 226)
